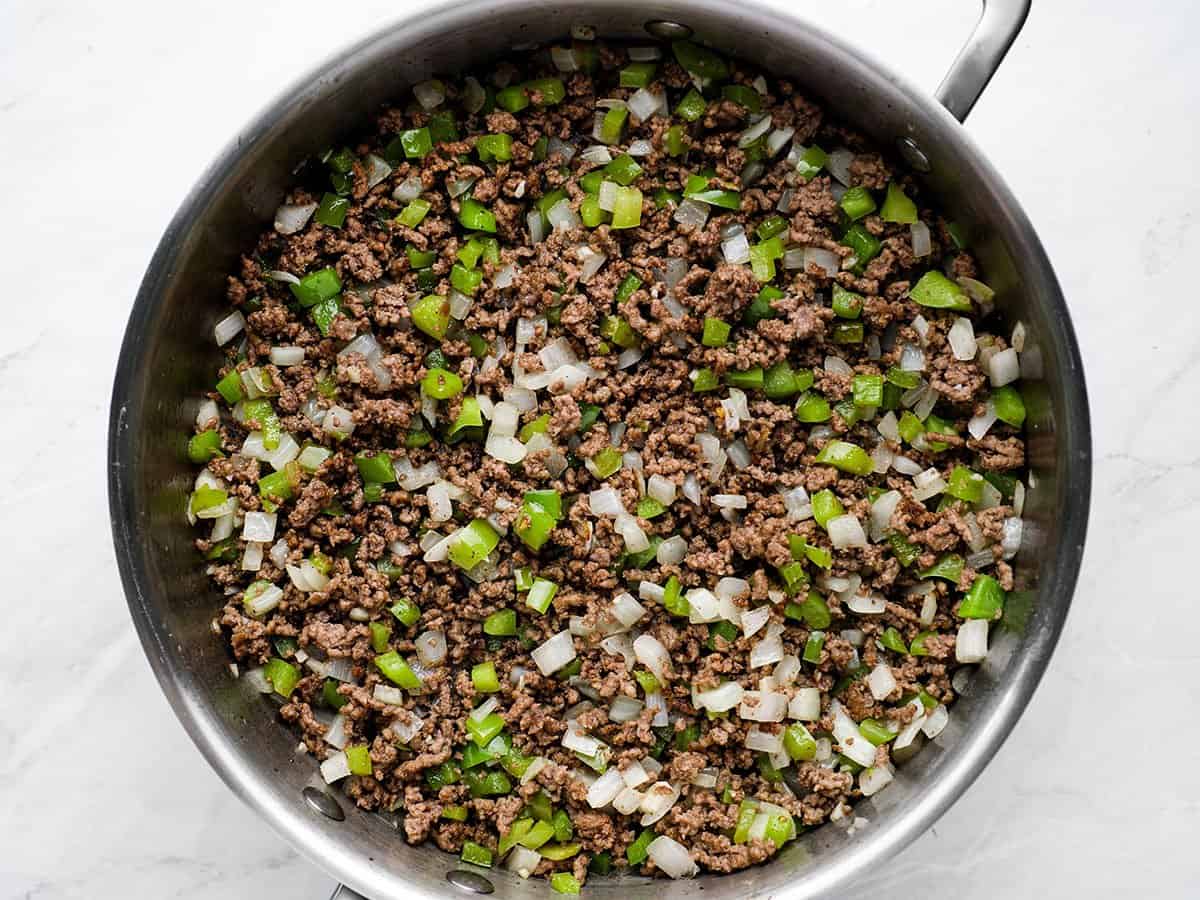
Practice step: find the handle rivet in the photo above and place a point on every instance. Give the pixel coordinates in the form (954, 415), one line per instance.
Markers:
(668, 31)
(469, 881)
(324, 804)
(913, 154)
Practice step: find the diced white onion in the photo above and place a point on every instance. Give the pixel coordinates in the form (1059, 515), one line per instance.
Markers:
(753, 620)
(522, 861)
(977, 291)
(826, 260)
(605, 789)
(1010, 542)
(627, 610)
(778, 139)
(562, 217)
(484, 709)
(409, 189)
(721, 699)
(691, 213)
(504, 448)
(805, 704)
(961, 338)
(437, 497)
(625, 709)
(922, 243)
(630, 357)
(881, 459)
(412, 479)
(910, 731)
(1004, 367)
(874, 779)
(867, 604)
(703, 606)
(936, 721)
(644, 54)
(592, 263)
(730, 501)
(846, 531)
(640, 147)
(307, 578)
(672, 857)
(838, 165)
(656, 701)
(881, 681)
(377, 170)
(389, 694)
(849, 738)
(755, 131)
(407, 730)
(736, 249)
(661, 489)
(536, 225)
(881, 513)
(229, 328)
(912, 358)
(563, 59)
(628, 801)
(338, 421)
(460, 305)
(928, 483)
(259, 526)
(430, 94)
(605, 502)
(431, 648)
(980, 425)
(653, 655)
(928, 607)
(657, 801)
(615, 644)
(763, 706)
(671, 551)
(565, 379)
(505, 276)
(252, 557)
(554, 653)
(335, 768)
(575, 738)
(768, 651)
(597, 154)
(797, 503)
(764, 741)
(648, 590)
(971, 646)
(287, 356)
(291, 218)
(643, 103)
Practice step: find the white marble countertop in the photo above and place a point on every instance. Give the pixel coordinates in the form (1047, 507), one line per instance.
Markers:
(108, 111)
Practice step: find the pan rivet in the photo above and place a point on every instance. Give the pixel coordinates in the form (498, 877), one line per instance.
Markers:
(324, 804)
(668, 31)
(913, 155)
(469, 881)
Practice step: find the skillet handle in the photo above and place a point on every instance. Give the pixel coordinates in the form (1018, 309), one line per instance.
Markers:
(979, 58)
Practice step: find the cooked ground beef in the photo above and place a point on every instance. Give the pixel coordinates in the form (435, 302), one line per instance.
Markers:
(494, 365)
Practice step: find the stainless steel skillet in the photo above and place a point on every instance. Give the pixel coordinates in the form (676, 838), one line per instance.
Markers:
(167, 355)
